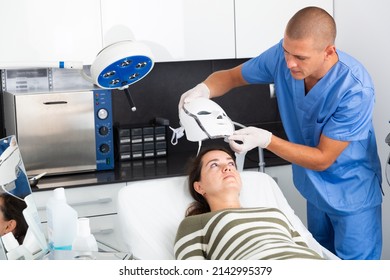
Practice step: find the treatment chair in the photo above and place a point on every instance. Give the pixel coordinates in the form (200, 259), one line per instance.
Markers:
(150, 212)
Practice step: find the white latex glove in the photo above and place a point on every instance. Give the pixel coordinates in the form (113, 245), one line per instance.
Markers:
(251, 137)
(201, 90)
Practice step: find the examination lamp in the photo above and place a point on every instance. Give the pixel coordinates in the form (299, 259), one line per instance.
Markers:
(116, 66)
(119, 65)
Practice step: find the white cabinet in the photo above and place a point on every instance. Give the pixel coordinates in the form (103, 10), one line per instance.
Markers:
(179, 30)
(283, 176)
(261, 24)
(176, 30)
(47, 30)
(98, 203)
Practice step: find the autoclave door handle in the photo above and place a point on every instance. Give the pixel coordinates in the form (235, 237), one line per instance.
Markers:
(55, 102)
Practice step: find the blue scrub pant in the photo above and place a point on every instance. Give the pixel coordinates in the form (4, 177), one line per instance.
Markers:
(350, 237)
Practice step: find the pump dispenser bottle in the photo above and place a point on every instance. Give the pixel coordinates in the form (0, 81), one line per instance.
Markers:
(35, 240)
(61, 221)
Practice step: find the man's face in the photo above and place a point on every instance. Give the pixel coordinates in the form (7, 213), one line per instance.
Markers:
(304, 58)
(219, 174)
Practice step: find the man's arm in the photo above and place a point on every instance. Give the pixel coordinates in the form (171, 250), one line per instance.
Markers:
(220, 82)
(316, 158)
(217, 84)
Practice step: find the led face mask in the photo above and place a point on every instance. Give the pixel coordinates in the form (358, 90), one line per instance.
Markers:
(203, 119)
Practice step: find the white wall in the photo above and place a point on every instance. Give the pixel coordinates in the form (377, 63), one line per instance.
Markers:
(363, 32)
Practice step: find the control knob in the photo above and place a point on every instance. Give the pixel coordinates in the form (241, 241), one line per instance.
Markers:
(104, 130)
(104, 148)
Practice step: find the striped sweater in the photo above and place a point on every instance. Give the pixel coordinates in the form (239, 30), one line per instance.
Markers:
(251, 233)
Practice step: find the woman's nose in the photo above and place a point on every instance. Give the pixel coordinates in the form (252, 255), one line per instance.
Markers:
(226, 168)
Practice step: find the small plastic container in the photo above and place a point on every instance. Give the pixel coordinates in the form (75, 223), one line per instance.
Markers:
(84, 242)
(14, 250)
(34, 240)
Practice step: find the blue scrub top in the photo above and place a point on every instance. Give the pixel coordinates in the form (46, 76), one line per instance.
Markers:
(339, 106)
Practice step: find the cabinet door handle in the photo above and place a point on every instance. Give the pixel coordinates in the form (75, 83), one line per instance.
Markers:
(83, 203)
(103, 231)
(97, 201)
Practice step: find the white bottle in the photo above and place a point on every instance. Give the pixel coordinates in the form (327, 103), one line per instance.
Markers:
(14, 250)
(61, 221)
(34, 240)
(32, 245)
(84, 241)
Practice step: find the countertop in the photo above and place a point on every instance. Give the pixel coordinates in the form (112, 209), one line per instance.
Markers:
(136, 170)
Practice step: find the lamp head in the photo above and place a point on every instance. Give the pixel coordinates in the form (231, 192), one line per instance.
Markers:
(121, 64)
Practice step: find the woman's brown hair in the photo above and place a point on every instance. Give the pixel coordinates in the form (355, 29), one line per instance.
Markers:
(12, 209)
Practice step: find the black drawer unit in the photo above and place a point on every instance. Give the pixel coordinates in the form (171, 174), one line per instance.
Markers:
(140, 142)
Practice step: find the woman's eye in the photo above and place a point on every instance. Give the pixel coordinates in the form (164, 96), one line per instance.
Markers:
(214, 164)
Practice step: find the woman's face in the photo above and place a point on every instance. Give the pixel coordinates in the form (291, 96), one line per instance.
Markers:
(218, 175)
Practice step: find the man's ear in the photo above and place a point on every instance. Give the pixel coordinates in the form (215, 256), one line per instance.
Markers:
(330, 50)
(198, 188)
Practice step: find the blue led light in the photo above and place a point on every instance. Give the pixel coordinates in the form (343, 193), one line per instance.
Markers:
(125, 71)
